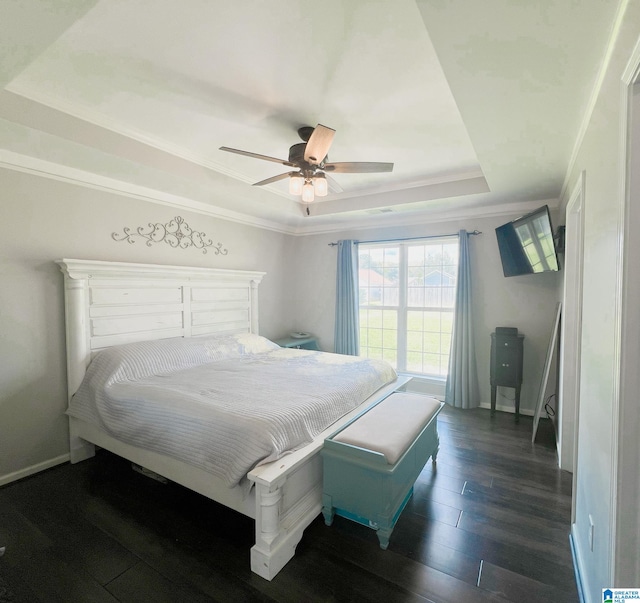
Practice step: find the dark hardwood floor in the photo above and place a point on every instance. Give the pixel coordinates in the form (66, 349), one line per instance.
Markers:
(491, 523)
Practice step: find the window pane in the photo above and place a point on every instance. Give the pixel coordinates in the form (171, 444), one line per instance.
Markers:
(374, 338)
(414, 341)
(364, 337)
(390, 296)
(392, 256)
(415, 320)
(375, 353)
(379, 334)
(433, 365)
(415, 297)
(428, 341)
(432, 343)
(433, 297)
(429, 273)
(445, 344)
(414, 362)
(416, 275)
(415, 255)
(390, 339)
(432, 321)
(391, 356)
(446, 325)
(375, 319)
(390, 319)
(448, 297)
(390, 274)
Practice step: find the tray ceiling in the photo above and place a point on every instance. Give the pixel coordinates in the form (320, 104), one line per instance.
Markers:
(478, 105)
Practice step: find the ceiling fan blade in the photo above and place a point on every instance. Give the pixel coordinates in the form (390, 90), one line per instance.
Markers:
(334, 187)
(318, 146)
(273, 179)
(257, 156)
(358, 167)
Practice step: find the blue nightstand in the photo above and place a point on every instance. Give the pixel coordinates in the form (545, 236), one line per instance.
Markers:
(302, 343)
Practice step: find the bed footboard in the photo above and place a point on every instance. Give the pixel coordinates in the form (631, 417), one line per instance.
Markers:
(285, 498)
(283, 510)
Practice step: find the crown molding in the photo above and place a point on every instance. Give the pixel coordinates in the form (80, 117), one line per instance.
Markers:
(423, 183)
(96, 118)
(304, 227)
(409, 218)
(63, 173)
(595, 93)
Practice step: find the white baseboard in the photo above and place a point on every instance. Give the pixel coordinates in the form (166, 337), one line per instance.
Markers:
(578, 568)
(27, 471)
(436, 388)
(506, 408)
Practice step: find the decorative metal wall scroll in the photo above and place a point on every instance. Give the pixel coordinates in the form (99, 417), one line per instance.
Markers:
(176, 233)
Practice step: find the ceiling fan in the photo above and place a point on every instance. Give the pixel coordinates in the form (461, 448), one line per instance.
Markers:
(310, 158)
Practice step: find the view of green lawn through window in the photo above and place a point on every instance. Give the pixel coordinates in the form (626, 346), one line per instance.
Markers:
(407, 297)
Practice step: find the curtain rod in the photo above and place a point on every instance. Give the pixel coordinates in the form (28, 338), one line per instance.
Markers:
(455, 234)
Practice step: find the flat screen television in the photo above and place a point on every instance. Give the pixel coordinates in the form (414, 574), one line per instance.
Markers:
(527, 245)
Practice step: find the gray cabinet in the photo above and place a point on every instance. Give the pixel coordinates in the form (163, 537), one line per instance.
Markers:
(507, 353)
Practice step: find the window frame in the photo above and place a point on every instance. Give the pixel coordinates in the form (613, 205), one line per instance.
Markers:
(403, 309)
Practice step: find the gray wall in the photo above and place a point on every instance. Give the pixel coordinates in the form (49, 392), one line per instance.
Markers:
(601, 156)
(526, 302)
(44, 220)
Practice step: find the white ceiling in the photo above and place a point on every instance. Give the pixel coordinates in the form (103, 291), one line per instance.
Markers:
(478, 104)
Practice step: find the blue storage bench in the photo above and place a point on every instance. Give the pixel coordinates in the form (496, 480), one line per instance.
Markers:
(372, 463)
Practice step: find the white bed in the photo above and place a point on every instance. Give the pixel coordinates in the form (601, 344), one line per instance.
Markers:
(108, 304)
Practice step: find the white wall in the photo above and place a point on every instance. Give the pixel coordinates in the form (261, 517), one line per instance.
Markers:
(601, 156)
(43, 220)
(526, 302)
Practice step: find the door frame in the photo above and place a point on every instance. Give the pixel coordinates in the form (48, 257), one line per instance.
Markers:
(571, 332)
(625, 491)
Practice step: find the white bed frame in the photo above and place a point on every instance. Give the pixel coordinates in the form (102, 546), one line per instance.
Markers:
(111, 303)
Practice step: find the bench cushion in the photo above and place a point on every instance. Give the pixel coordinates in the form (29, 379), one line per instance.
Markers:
(391, 426)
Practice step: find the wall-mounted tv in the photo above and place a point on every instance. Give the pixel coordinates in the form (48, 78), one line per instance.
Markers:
(527, 245)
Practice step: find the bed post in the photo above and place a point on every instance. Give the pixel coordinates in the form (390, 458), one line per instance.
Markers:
(274, 546)
(79, 449)
(78, 352)
(268, 501)
(287, 499)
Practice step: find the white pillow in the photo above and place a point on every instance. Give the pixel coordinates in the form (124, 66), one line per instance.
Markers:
(133, 361)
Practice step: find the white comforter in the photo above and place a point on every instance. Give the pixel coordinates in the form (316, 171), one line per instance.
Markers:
(224, 404)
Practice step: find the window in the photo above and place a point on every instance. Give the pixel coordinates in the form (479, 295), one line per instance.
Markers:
(407, 295)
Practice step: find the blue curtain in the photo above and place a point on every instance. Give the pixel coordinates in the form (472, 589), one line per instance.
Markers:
(346, 336)
(462, 388)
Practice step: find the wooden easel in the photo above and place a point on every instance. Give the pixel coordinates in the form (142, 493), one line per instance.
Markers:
(547, 367)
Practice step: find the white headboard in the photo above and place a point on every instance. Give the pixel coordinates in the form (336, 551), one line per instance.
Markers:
(110, 303)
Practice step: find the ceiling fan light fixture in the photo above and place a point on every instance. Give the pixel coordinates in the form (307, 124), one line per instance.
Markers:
(295, 184)
(310, 158)
(308, 194)
(320, 185)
